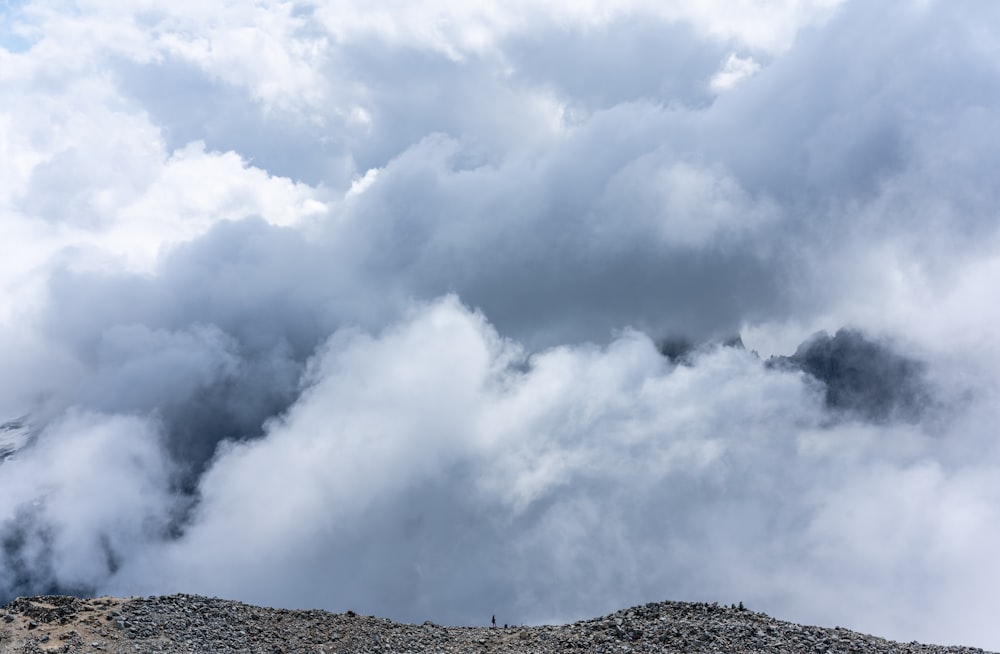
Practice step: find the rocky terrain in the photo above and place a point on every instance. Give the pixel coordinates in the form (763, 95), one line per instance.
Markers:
(14, 434)
(186, 623)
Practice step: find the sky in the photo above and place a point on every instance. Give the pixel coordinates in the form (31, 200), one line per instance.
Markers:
(429, 310)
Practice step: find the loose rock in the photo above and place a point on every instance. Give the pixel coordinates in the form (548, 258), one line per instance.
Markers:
(187, 623)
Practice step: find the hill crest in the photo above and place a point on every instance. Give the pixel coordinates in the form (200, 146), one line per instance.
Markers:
(190, 623)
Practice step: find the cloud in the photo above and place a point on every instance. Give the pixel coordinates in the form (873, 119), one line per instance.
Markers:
(357, 308)
(575, 480)
(734, 70)
(484, 447)
(92, 488)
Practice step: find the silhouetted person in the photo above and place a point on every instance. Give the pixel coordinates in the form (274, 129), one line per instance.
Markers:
(494, 622)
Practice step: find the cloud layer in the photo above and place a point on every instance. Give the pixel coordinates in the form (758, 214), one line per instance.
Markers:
(319, 305)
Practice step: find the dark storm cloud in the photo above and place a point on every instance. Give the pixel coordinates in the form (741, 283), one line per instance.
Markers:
(540, 247)
(214, 344)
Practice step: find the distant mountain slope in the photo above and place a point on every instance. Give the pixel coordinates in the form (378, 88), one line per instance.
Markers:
(14, 435)
(862, 377)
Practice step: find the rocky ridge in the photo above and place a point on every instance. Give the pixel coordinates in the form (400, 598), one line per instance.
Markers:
(14, 434)
(188, 623)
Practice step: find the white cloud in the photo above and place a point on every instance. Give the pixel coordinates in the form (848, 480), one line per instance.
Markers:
(607, 471)
(362, 184)
(195, 189)
(92, 486)
(241, 242)
(476, 27)
(733, 71)
(92, 182)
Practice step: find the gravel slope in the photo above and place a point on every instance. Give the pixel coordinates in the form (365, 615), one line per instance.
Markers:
(187, 623)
